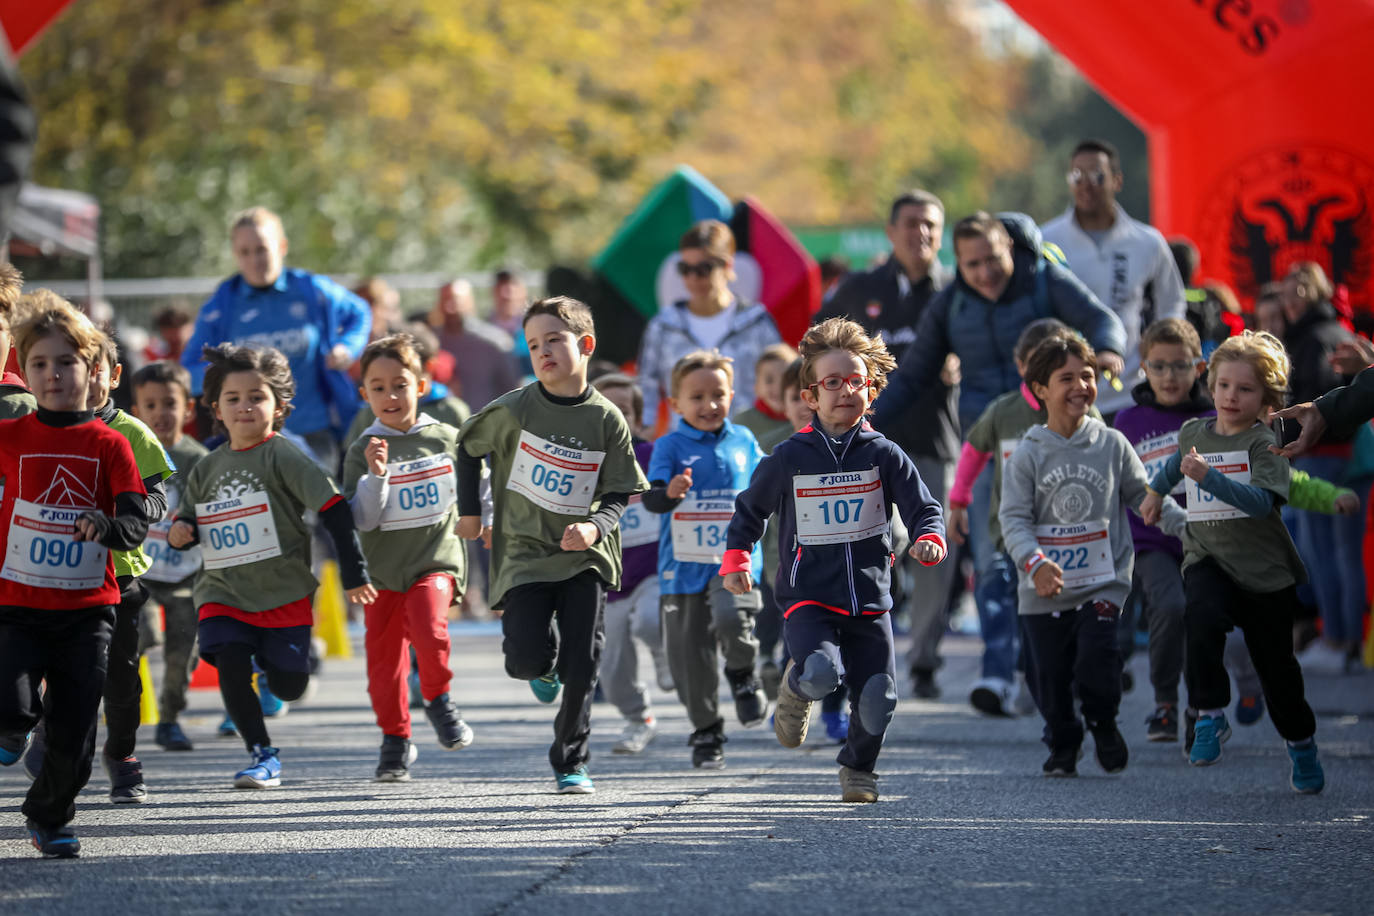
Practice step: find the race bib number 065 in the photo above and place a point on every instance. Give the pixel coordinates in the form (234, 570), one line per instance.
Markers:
(555, 477)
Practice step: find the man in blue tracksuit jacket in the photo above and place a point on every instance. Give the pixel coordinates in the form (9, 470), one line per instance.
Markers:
(836, 595)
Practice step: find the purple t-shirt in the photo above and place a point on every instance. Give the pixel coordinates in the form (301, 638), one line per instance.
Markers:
(638, 563)
(1153, 433)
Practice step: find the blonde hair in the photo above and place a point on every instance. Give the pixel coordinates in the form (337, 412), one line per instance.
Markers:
(43, 313)
(1264, 353)
(778, 352)
(701, 359)
(850, 337)
(256, 217)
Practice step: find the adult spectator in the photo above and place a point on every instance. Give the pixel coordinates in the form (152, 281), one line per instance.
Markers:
(320, 327)
(1003, 283)
(509, 299)
(1341, 411)
(890, 299)
(834, 269)
(1331, 545)
(710, 318)
(483, 367)
(1126, 264)
(385, 303)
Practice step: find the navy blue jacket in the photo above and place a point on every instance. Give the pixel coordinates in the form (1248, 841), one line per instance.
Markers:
(851, 578)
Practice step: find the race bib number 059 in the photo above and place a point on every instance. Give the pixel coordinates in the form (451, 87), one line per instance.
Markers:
(1083, 552)
(698, 527)
(419, 493)
(839, 508)
(1203, 506)
(555, 477)
(237, 531)
(43, 550)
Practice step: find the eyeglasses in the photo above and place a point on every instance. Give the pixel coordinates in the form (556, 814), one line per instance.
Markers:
(1159, 367)
(855, 382)
(702, 269)
(1078, 176)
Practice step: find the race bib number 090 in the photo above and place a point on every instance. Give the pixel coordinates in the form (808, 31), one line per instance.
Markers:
(43, 551)
(419, 493)
(698, 527)
(1083, 552)
(555, 477)
(1203, 506)
(237, 531)
(839, 508)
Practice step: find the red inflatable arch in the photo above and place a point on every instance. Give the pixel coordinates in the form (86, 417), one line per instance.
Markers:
(1259, 119)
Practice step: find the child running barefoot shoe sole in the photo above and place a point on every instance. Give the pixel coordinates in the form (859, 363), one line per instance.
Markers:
(858, 786)
(54, 842)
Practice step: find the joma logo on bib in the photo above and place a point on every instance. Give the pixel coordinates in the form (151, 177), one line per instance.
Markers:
(562, 452)
(226, 504)
(840, 478)
(59, 515)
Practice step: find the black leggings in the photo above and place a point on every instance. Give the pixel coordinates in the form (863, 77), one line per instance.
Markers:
(235, 664)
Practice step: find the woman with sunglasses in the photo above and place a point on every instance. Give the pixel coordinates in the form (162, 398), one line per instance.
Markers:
(711, 318)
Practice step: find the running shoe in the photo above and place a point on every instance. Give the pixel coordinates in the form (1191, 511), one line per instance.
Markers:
(394, 763)
(836, 725)
(12, 747)
(792, 717)
(708, 751)
(1307, 777)
(54, 842)
(1249, 710)
(858, 786)
(453, 733)
(273, 706)
(992, 696)
(1063, 762)
(170, 737)
(546, 688)
(1210, 733)
(126, 779)
(575, 782)
(262, 772)
(1162, 725)
(751, 705)
(635, 737)
(227, 728)
(923, 685)
(1110, 747)
(38, 747)
(770, 674)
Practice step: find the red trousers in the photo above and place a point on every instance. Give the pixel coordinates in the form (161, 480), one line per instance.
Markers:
(395, 622)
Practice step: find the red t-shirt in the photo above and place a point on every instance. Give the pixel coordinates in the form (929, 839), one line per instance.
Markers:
(57, 473)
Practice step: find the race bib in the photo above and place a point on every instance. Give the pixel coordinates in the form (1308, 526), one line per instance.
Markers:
(555, 477)
(638, 526)
(698, 528)
(1006, 447)
(419, 493)
(840, 507)
(237, 531)
(169, 566)
(1155, 452)
(43, 550)
(1203, 506)
(1083, 552)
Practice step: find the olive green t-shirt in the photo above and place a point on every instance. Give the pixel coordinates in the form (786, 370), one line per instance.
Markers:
(151, 459)
(247, 506)
(168, 565)
(525, 536)
(1257, 553)
(416, 536)
(763, 426)
(998, 429)
(16, 402)
(451, 410)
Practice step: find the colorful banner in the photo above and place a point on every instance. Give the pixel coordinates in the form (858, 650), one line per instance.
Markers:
(23, 21)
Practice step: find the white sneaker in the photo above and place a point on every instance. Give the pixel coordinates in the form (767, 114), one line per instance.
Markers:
(1322, 658)
(1024, 702)
(635, 737)
(992, 696)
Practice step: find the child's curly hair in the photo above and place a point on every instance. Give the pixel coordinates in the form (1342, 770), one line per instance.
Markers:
(849, 336)
(268, 362)
(1265, 354)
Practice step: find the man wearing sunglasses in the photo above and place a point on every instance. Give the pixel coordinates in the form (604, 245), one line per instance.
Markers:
(1126, 263)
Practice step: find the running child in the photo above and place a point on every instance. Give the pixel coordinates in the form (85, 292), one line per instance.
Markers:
(562, 473)
(1240, 568)
(242, 504)
(767, 418)
(1172, 394)
(632, 610)
(162, 400)
(15, 398)
(1065, 491)
(436, 401)
(696, 472)
(72, 495)
(832, 486)
(400, 481)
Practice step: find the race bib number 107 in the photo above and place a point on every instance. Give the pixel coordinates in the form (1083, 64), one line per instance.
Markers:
(839, 508)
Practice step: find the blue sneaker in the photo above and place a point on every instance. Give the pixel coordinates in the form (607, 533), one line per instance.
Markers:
(227, 728)
(575, 782)
(546, 688)
(12, 747)
(273, 706)
(1249, 710)
(836, 726)
(1208, 736)
(1308, 777)
(263, 773)
(38, 749)
(54, 842)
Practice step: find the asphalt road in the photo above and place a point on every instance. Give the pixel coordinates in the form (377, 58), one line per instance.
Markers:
(965, 825)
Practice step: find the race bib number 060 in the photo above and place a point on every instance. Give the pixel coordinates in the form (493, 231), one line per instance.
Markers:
(839, 508)
(43, 550)
(555, 477)
(236, 531)
(1203, 506)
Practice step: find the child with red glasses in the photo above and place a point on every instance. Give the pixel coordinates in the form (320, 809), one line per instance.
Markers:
(832, 485)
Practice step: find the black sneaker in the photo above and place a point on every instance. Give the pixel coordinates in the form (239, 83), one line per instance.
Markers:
(170, 737)
(1189, 727)
(707, 743)
(394, 763)
(453, 733)
(54, 842)
(126, 780)
(1063, 762)
(923, 684)
(770, 674)
(1162, 724)
(1112, 753)
(750, 704)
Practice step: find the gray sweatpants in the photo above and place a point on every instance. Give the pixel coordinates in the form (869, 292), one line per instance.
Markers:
(179, 648)
(700, 628)
(1159, 577)
(633, 616)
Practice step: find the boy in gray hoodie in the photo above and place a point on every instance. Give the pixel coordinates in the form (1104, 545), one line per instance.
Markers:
(1065, 491)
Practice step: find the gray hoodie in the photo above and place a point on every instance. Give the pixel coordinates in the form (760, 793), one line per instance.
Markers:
(1066, 499)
